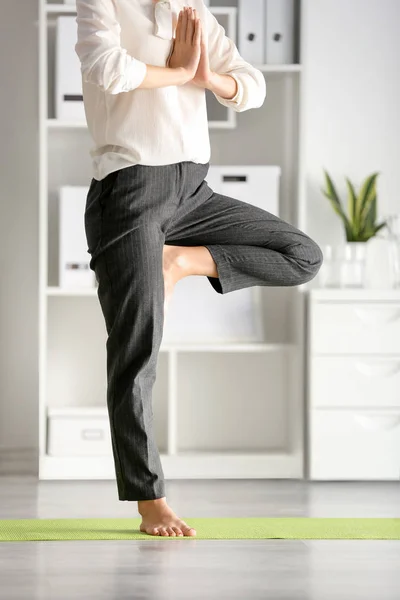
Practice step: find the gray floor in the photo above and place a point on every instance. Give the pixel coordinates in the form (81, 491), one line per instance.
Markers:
(200, 569)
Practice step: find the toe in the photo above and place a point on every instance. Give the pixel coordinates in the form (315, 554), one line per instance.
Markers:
(177, 531)
(163, 531)
(188, 530)
(171, 531)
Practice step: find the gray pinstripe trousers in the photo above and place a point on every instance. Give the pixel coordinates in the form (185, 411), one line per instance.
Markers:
(129, 216)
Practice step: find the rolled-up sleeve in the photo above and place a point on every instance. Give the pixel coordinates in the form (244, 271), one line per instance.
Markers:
(225, 59)
(104, 62)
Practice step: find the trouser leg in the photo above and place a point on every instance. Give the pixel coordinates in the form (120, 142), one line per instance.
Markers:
(124, 224)
(250, 245)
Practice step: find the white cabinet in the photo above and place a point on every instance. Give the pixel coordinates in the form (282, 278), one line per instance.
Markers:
(353, 384)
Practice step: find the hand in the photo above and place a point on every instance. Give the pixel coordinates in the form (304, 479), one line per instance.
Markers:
(203, 75)
(186, 50)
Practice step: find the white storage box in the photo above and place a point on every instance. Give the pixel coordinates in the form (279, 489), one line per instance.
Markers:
(74, 258)
(78, 431)
(68, 79)
(255, 184)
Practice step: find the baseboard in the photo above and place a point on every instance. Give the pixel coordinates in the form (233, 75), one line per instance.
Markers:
(19, 461)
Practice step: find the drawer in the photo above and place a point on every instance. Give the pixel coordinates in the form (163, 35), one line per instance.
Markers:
(354, 444)
(351, 381)
(355, 327)
(69, 435)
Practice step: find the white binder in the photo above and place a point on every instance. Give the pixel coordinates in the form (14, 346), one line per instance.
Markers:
(279, 31)
(68, 85)
(74, 259)
(251, 30)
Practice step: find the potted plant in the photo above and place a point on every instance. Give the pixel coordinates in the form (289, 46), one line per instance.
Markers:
(360, 223)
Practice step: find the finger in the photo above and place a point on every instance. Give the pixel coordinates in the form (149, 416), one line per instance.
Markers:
(190, 26)
(178, 34)
(197, 33)
(184, 25)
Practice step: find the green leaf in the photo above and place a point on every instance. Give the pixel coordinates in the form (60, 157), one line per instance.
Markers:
(379, 227)
(367, 193)
(369, 220)
(352, 206)
(332, 195)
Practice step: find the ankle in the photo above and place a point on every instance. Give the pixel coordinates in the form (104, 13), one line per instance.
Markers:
(146, 506)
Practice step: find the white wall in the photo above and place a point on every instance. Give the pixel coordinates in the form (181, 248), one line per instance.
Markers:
(18, 225)
(351, 102)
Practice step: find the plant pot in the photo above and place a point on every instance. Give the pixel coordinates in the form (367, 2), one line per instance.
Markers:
(352, 270)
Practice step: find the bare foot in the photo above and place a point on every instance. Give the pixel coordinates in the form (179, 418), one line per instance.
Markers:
(159, 519)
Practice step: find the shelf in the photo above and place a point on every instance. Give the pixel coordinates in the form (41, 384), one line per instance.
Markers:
(362, 294)
(59, 291)
(60, 8)
(60, 124)
(295, 68)
(198, 465)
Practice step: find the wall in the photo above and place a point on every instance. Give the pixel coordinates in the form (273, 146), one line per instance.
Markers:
(351, 102)
(18, 228)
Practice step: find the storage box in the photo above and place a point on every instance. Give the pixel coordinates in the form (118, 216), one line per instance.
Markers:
(74, 431)
(257, 185)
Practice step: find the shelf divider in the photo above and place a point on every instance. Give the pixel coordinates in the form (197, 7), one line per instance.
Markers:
(172, 398)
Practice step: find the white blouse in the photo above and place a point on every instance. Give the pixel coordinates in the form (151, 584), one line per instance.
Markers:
(158, 126)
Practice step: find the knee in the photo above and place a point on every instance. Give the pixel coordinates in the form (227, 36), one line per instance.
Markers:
(309, 258)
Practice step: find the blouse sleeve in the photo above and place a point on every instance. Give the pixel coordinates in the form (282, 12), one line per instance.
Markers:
(103, 61)
(226, 60)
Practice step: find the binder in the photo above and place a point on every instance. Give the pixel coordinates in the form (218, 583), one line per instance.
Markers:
(68, 80)
(251, 30)
(74, 260)
(279, 31)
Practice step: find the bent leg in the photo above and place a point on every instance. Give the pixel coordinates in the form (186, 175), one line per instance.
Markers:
(249, 245)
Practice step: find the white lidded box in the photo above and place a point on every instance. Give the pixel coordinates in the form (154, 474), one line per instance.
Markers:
(75, 431)
(255, 184)
(74, 259)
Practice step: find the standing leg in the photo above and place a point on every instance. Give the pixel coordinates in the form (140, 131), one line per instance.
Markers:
(125, 218)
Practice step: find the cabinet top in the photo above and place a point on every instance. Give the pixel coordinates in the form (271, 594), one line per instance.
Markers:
(344, 294)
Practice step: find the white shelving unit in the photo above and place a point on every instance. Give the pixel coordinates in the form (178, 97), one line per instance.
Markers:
(246, 419)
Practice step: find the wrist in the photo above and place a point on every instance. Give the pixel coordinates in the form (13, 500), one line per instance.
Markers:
(181, 75)
(211, 82)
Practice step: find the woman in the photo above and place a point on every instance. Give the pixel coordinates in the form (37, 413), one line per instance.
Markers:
(151, 218)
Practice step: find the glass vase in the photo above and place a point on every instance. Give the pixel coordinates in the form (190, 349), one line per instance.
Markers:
(352, 267)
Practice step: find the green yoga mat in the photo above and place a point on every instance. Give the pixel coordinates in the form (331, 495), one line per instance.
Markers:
(17, 530)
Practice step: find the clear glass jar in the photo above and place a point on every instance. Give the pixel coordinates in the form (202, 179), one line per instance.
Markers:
(329, 273)
(352, 264)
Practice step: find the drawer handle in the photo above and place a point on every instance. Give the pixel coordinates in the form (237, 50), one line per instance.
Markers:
(378, 422)
(377, 316)
(92, 434)
(382, 368)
